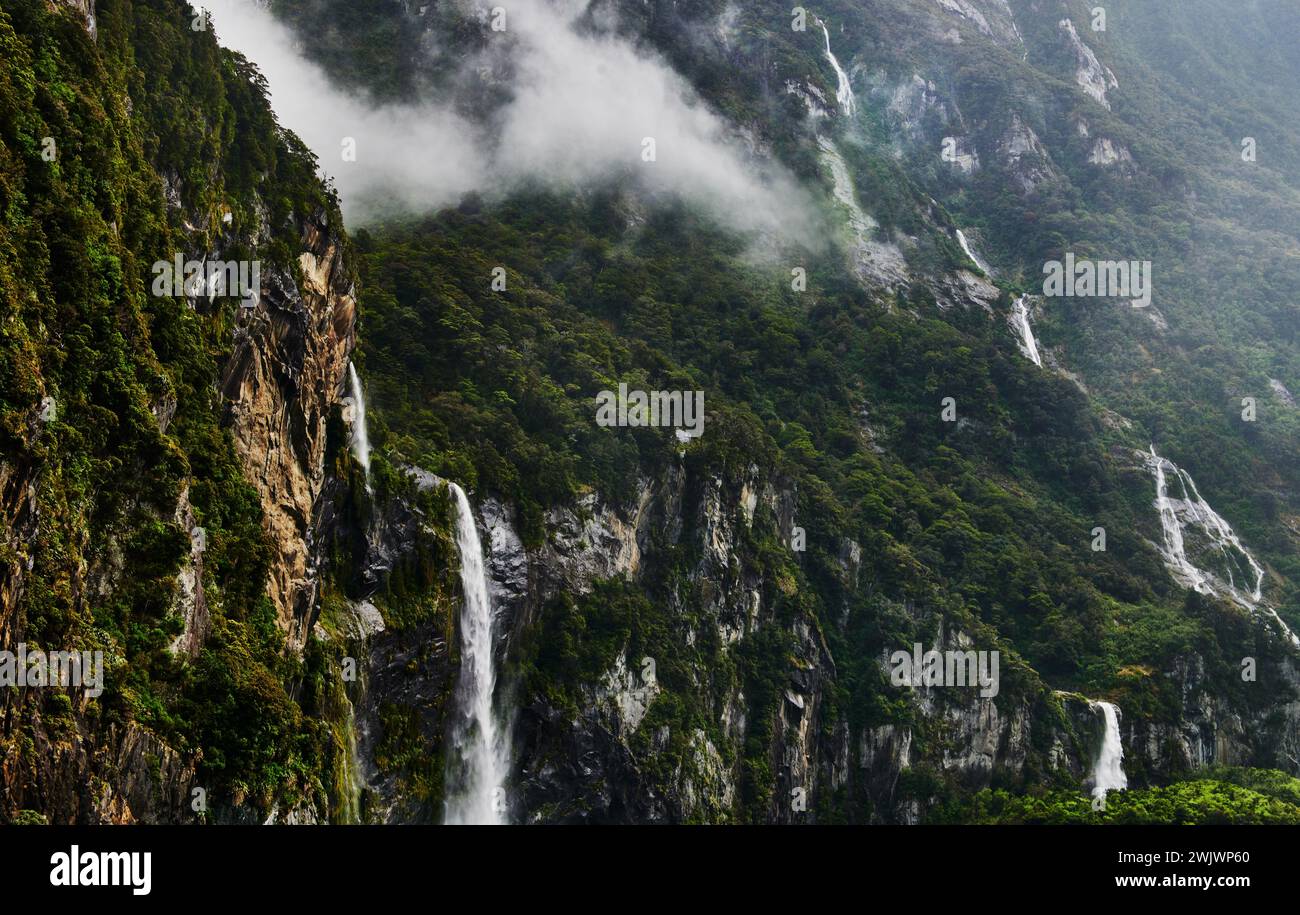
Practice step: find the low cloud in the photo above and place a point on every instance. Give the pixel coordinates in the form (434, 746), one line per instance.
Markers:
(426, 155)
(580, 107)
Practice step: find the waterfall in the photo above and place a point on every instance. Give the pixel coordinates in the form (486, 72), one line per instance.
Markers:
(1108, 773)
(844, 92)
(360, 434)
(477, 755)
(1240, 577)
(975, 258)
(353, 777)
(1025, 331)
(1174, 552)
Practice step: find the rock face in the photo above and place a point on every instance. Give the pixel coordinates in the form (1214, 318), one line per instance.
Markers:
(611, 758)
(616, 761)
(286, 372)
(1024, 156)
(1209, 731)
(875, 259)
(191, 603)
(1106, 152)
(18, 520)
(126, 775)
(62, 755)
(1093, 78)
(395, 693)
(991, 18)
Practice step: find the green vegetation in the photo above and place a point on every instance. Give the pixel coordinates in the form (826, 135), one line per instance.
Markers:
(81, 223)
(986, 522)
(831, 395)
(1221, 797)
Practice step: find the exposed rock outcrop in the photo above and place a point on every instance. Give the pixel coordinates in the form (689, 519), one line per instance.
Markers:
(1025, 156)
(286, 372)
(1093, 78)
(87, 10)
(1106, 152)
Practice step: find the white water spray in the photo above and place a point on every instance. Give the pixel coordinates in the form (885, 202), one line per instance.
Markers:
(1108, 773)
(477, 759)
(1024, 330)
(360, 434)
(844, 92)
(1240, 578)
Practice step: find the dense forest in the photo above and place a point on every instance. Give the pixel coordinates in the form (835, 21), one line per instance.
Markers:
(867, 395)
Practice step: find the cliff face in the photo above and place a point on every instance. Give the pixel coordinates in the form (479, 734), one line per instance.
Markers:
(164, 469)
(282, 646)
(776, 745)
(286, 373)
(617, 760)
(18, 521)
(671, 656)
(604, 751)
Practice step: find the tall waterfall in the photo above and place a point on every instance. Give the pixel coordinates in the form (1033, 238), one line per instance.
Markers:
(844, 92)
(1024, 330)
(477, 758)
(360, 434)
(1108, 773)
(1187, 517)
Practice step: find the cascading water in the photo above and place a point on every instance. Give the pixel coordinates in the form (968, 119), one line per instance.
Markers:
(844, 92)
(877, 262)
(478, 755)
(970, 252)
(1108, 773)
(1242, 577)
(360, 434)
(1174, 551)
(353, 777)
(1025, 331)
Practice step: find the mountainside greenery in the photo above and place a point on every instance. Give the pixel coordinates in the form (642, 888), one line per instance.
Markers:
(89, 131)
(1223, 797)
(147, 140)
(988, 520)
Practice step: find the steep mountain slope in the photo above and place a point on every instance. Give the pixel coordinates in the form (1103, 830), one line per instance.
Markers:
(770, 687)
(837, 233)
(163, 453)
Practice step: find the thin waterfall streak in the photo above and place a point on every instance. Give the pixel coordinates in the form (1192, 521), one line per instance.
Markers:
(970, 252)
(1025, 331)
(360, 432)
(844, 91)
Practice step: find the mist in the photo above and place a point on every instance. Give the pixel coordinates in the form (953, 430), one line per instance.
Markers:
(425, 155)
(581, 107)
